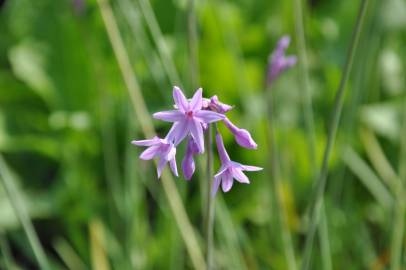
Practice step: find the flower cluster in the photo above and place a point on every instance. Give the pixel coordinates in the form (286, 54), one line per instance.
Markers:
(278, 62)
(190, 120)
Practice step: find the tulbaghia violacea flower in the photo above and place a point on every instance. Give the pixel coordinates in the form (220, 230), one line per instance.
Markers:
(188, 163)
(188, 118)
(242, 136)
(161, 148)
(191, 119)
(278, 61)
(229, 169)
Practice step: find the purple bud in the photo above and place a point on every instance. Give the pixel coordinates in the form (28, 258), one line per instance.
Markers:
(188, 163)
(218, 106)
(278, 61)
(242, 136)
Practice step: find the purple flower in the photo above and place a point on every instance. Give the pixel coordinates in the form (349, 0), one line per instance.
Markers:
(229, 170)
(188, 118)
(278, 61)
(188, 163)
(162, 148)
(242, 136)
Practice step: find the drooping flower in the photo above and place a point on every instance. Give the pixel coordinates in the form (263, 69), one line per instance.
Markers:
(188, 118)
(242, 136)
(229, 169)
(164, 149)
(188, 163)
(278, 61)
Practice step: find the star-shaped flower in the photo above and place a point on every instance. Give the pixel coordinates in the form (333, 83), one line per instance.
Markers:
(229, 169)
(161, 148)
(188, 118)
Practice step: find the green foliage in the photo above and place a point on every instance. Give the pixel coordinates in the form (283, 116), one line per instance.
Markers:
(66, 122)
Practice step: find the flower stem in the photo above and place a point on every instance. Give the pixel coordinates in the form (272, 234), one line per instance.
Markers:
(277, 185)
(209, 220)
(315, 206)
(400, 206)
(308, 116)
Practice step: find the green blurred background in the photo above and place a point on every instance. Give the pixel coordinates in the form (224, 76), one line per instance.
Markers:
(66, 122)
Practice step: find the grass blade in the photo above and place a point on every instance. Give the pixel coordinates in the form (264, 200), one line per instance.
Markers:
(16, 200)
(332, 131)
(141, 111)
(368, 178)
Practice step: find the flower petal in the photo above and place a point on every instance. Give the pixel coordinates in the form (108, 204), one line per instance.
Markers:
(148, 142)
(216, 184)
(161, 165)
(240, 176)
(196, 131)
(180, 99)
(197, 101)
(221, 171)
(170, 153)
(226, 181)
(188, 163)
(221, 149)
(179, 131)
(208, 116)
(174, 168)
(188, 167)
(150, 152)
(251, 168)
(290, 61)
(169, 116)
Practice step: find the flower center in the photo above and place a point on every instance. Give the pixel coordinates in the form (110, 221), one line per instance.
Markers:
(189, 114)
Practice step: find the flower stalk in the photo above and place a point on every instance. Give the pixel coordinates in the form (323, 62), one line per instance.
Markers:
(209, 216)
(316, 205)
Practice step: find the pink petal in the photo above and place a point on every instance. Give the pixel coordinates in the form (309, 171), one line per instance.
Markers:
(170, 153)
(188, 166)
(251, 168)
(180, 130)
(197, 133)
(216, 184)
(221, 149)
(221, 171)
(169, 116)
(227, 182)
(174, 168)
(180, 99)
(197, 101)
(208, 116)
(240, 176)
(161, 165)
(146, 142)
(150, 152)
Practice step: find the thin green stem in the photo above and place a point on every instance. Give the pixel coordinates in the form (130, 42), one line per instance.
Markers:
(159, 40)
(332, 131)
(5, 251)
(304, 75)
(309, 121)
(185, 228)
(16, 200)
(193, 44)
(275, 174)
(400, 206)
(209, 220)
